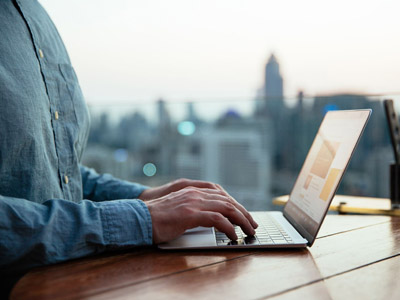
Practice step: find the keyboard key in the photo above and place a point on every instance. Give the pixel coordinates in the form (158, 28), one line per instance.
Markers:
(265, 241)
(251, 240)
(233, 243)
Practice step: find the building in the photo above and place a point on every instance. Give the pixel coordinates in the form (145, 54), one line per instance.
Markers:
(270, 97)
(234, 157)
(273, 82)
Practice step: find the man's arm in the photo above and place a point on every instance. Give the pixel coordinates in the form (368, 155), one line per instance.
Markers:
(103, 187)
(35, 234)
(176, 206)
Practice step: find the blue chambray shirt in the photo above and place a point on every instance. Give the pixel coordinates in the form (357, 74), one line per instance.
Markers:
(44, 126)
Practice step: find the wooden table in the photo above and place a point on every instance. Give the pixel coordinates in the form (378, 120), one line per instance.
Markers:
(354, 257)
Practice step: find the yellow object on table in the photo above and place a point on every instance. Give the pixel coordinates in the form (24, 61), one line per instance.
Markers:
(353, 204)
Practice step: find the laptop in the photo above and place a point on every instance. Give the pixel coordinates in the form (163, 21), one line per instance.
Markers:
(319, 178)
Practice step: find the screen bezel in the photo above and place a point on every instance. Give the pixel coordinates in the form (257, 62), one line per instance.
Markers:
(307, 235)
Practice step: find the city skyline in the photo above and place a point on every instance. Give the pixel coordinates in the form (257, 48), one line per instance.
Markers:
(128, 51)
(261, 144)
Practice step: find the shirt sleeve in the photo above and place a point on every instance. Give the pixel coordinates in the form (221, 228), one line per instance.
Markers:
(33, 234)
(102, 187)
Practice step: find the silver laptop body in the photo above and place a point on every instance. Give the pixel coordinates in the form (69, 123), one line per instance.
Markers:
(299, 223)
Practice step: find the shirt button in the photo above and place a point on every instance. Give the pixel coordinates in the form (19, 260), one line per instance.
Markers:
(41, 53)
(56, 115)
(66, 180)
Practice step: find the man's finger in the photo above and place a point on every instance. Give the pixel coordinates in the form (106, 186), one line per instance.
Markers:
(211, 194)
(228, 210)
(213, 219)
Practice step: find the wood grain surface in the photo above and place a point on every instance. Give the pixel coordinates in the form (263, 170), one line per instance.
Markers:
(350, 251)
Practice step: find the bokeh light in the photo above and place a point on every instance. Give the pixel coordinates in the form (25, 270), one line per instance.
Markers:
(149, 169)
(121, 155)
(186, 128)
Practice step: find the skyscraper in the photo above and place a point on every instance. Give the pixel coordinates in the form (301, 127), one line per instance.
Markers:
(273, 84)
(270, 96)
(270, 107)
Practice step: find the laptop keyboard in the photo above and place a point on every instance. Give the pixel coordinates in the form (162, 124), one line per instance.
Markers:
(269, 232)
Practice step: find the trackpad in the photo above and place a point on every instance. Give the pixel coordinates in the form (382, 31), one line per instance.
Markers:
(196, 237)
(199, 230)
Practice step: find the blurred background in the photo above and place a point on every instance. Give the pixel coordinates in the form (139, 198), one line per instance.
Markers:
(231, 91)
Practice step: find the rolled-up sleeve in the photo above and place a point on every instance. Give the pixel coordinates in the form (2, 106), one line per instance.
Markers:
(119, 216)
(36, 234)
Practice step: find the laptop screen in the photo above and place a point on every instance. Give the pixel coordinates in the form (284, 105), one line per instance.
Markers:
(323, 169)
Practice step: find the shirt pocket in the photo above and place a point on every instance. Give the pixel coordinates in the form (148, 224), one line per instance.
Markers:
(80, 108)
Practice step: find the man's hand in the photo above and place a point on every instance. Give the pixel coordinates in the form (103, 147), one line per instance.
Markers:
(174, 186)
(191, 207)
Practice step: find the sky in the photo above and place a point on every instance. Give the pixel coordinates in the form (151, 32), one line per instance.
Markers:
(136, 51)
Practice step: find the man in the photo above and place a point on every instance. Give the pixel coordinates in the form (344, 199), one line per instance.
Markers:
(52, 208)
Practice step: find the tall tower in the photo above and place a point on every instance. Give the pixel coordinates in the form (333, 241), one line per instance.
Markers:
(163, 115)
(273, 84)
(191, 113)
(165, 146)
(272, 103)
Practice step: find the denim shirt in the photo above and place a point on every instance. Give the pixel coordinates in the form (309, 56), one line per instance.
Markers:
(44, 124)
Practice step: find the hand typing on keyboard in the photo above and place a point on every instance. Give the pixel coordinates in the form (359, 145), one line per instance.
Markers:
(186, 204)
(268, 232)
